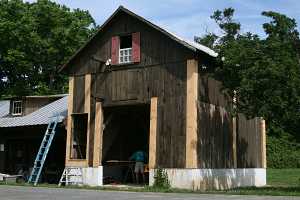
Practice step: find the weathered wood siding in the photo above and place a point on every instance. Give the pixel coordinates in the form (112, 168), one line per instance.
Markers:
(222, 142)
(211, 91)
(161, 73)
(156, 48)
(78, 94)
(167, 82)
(215, 126)
(215, 138)
(249, 143)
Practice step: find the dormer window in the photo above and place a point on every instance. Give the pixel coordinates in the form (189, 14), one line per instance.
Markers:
(17, 108)
(125, 52)
(125, 49)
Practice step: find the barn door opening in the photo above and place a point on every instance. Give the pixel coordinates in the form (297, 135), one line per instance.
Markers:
(126, 132)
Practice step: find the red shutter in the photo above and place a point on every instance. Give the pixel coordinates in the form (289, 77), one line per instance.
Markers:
(115, 50)
(136, 49)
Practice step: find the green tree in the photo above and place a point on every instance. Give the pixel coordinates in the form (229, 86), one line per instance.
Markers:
(35, 40)
(265, 72)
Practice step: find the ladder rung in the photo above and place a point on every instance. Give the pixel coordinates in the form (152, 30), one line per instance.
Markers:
(43, 151)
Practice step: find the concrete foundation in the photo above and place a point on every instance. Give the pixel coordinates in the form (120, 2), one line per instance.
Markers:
(93, 176)
(205, 179)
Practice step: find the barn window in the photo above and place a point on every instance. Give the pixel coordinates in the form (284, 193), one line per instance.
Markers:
(17, 108)
(125, 52)
(79, 136)
(125, 49)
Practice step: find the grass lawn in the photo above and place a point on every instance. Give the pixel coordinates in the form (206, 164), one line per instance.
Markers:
(283, 177)
(281, 182)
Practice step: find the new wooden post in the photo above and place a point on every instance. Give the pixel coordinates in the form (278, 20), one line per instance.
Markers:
(191, 114)
(69, 122)
(98, 135)
(153, 133)
(87, 109)
(263, 143)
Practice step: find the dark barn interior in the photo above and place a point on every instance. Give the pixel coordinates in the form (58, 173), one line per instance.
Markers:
(126, 131)
(21, 147)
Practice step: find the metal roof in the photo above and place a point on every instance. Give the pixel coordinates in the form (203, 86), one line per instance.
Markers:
(189, 44)
(39, 117)
(4, 108)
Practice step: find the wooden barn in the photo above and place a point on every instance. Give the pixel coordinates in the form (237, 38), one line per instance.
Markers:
(135, 86)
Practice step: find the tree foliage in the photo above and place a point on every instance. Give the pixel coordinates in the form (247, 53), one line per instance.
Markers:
(265, 72)
(35, 40)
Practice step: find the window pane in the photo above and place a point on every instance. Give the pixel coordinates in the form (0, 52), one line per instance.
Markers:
(17, 107)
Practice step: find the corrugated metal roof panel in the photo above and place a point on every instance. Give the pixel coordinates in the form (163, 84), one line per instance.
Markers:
(4, 108)
(39, 117)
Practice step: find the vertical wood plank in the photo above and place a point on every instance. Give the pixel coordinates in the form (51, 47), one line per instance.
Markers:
(87, 109)
(69, 122)
(191, 114)
(98, 136)
(234, 138)
(153, 133)
(263, 143)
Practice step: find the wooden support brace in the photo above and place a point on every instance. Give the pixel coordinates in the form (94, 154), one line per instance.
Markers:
(191, 114)
(153, 133)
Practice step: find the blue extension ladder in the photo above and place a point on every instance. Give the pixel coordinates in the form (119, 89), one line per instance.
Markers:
(43, 151)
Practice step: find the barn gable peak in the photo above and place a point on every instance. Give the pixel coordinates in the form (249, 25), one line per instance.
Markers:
(196, 47)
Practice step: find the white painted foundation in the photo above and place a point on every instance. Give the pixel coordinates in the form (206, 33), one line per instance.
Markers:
(92, 176)
(204, 179)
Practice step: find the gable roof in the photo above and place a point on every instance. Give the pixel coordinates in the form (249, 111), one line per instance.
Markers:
(189, 44)
(41, 116)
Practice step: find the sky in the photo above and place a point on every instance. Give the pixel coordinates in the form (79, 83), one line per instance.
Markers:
(189, 18)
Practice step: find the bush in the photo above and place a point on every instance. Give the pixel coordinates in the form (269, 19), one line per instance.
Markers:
(161, 179)
(282, 151)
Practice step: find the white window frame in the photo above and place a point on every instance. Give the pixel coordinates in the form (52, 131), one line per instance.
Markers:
(17, 110)
(125, 55)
